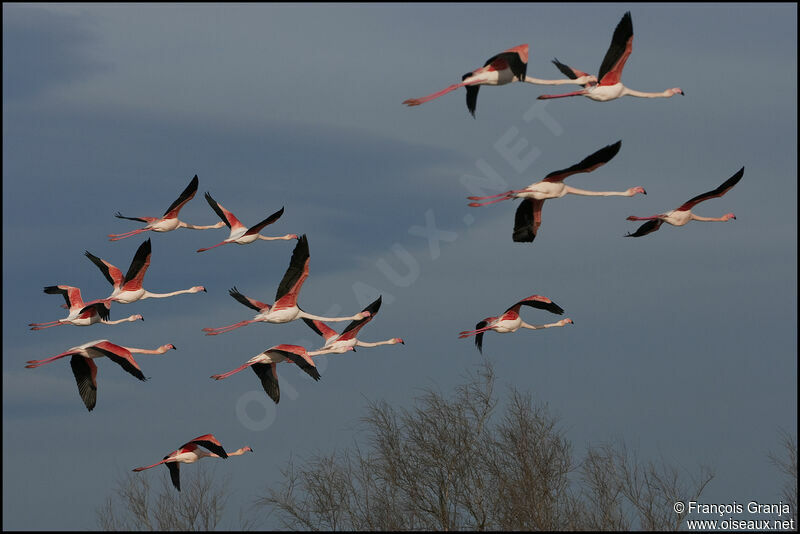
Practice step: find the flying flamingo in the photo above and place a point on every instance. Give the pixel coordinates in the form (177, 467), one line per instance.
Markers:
(170, 219)
(190, 452)
(340, 343)
(85, 370)
(263, 365)
(529, 214)
(506, 67)
(510, 321)
(129, 289)
(683, 214)
(80, 313)
(240, 234)
(610, 87)
(285, 308)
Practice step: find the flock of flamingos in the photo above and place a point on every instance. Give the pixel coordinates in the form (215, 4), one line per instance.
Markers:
(504, 68)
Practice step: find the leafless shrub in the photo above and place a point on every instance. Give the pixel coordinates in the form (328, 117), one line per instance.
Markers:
(450, 464)
(135, 505)
(787, 464)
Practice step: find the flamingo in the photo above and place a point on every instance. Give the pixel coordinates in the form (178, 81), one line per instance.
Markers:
(340, 343)
(80, 313)
(504, 68)
(285, 308)
(510, 321)
(170, 220)
(529, 213)
(240, 234)
(129, 289)
(610, 87)
(264, 364)
(682, 215)
(85, 370)
(190, 452)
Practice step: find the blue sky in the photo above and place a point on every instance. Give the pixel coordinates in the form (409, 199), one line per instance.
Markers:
(685, 342)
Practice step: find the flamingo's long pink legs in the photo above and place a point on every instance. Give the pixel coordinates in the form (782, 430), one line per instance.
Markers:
(546, 97)
(209, 248)
(57, 323)
(634, 218)
(41, 324)
(117, 237)
(467, 333)
(224, 329)
(37, 363)
(495, 196)
(479, 204)
(149, 466)
(422, 100)
(229, 373)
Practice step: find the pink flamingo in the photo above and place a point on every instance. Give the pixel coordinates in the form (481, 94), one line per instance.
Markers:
(340, 343)
(129, 289)
(285, 308)
(504, 68)
(170, 220)
(510, 321)
(240, 234)
(683, 214)
(80, 313)
(610, 87)
(529, 213)
(263, 365)
(190, 452)
(85, 370)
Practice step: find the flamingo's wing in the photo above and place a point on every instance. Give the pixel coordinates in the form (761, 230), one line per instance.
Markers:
(479, 337)
(174, 473)
(209, 442)
(302, 359)
(527, 220)
(71, 294)
(568, 71)
(121, 356)
(352, 329)
(185, 197)
(227, 217)
(112, 274)
(515, 59)
(320, 328)
(618, 52)
(138, 268)
(269, 220)
(718, 192)
(587, 164)
(539, 302)
(295, 276)
(269, 379)
(472, 94)
(142, 219)
(100, 307)
(85, 372)
(647, 228)
(247, 301)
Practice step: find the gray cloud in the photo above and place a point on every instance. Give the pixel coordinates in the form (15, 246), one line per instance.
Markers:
(43, 50)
